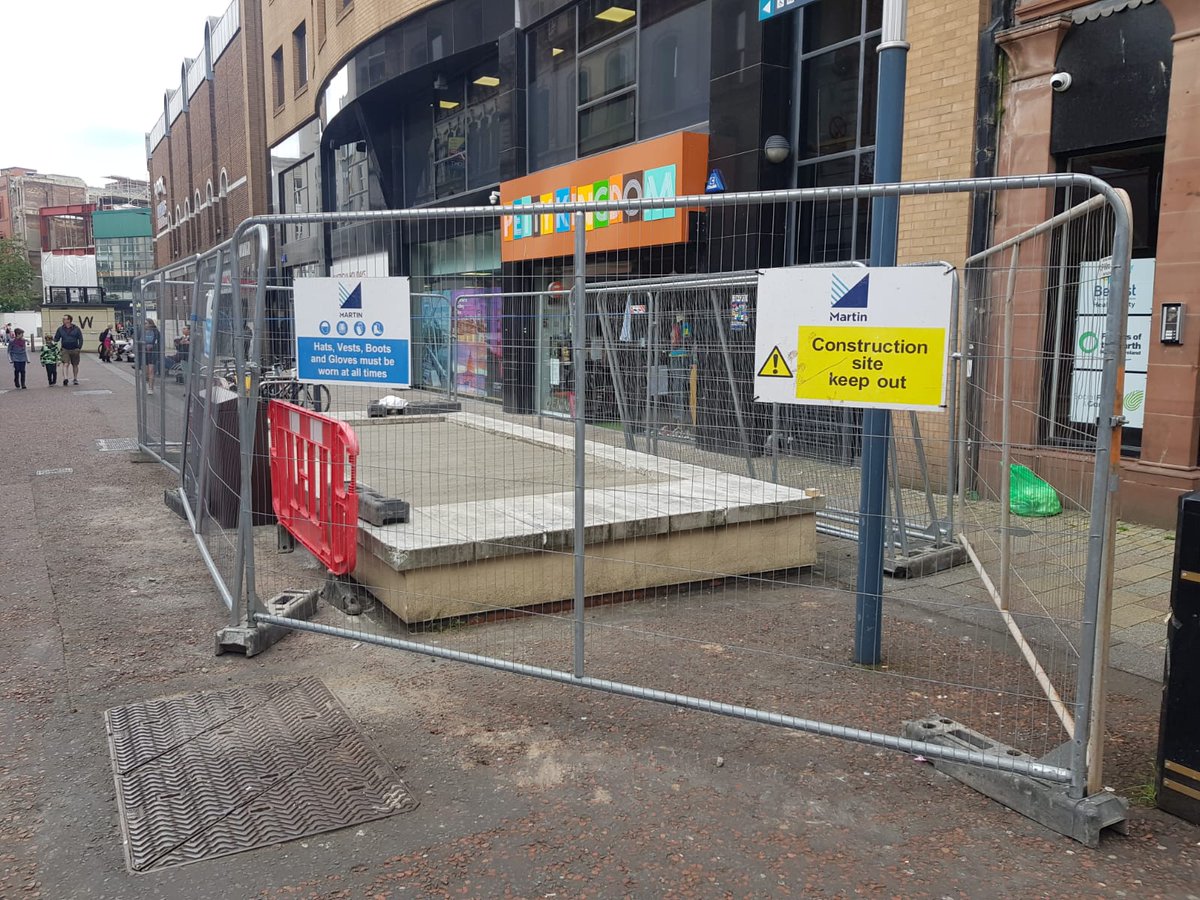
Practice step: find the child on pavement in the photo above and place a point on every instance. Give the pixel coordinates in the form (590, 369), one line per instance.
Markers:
(18, 355)
(50, 358)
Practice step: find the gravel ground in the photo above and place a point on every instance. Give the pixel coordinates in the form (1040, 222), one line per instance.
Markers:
(527, 789)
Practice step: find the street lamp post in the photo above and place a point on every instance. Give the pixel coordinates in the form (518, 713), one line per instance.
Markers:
(877, 423)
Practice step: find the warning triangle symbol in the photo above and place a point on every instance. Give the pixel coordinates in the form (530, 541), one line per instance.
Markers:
(775, 366)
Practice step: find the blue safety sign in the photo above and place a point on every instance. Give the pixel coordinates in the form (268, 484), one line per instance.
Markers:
(715, 183)
(333, 345)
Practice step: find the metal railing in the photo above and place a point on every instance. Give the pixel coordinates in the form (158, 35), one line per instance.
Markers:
(555, 515)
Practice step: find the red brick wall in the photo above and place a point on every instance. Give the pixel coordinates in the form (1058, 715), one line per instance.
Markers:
(158, 169)
(210, 136)
(229, 114)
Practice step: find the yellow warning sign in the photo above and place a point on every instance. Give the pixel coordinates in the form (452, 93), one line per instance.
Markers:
(775, 366)
(902, 366)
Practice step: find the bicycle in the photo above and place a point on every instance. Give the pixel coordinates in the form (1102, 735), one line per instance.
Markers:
(282, 384)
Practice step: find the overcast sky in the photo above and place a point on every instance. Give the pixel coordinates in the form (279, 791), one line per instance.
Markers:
(82, 81)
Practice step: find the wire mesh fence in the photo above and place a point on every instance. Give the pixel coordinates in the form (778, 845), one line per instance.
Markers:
(152, 339)
(566, 472)
(192, 326)
(1032, 412)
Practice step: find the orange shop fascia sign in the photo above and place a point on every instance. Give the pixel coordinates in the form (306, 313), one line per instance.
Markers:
(665, 167)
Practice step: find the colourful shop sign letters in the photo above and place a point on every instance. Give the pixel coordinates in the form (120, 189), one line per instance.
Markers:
(659, 169)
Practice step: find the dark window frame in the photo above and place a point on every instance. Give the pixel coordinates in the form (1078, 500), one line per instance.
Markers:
(278, 95)
(300, 56)
(634, 88)
(860, 155)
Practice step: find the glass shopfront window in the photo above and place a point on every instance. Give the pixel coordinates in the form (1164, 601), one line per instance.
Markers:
(450, 140)
(452, 136)
(836, 127)
(352, 181)
(674, 66)
(555, 363)
(457, 312)
(483, 126)
(607, 73)
(552, 91)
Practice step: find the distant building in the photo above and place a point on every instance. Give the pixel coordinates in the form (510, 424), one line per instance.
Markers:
(207, 152)
(124, 250)
(68, 254)
(23, 194)
(120, 191)
(92, 255)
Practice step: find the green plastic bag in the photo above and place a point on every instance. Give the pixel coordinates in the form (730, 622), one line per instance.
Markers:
(1028, 495)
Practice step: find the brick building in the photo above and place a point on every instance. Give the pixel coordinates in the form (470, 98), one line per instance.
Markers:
(206, 153)
(23, 194)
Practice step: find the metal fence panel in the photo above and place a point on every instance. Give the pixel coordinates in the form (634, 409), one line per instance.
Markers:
(188, 347)
(597, 498)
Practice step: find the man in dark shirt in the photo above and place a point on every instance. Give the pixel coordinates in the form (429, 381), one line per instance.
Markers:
(69, 338)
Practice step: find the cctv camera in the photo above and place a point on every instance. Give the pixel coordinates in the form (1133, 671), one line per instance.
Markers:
(494, 197)
(1060, 81)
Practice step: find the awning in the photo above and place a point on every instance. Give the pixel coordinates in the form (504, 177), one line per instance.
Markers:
(1102, 9)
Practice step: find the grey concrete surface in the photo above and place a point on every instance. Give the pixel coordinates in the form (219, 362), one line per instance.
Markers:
(527, 789)
(1049, 559)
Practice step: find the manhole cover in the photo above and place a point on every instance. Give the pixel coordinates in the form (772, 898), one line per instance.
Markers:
(85, 393)
(210, 774)
(105, 444)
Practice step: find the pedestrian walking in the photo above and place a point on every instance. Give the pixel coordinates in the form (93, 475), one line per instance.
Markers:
(151, 350)
(106, 344)
(50, 358)
(18, 355)
(69, 337)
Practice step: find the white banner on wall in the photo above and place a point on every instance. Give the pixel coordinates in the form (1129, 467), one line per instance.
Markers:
(368, 265)
(1094, 279)
(68, 270)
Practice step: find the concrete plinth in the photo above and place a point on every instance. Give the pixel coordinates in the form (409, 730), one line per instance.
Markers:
(669, 523)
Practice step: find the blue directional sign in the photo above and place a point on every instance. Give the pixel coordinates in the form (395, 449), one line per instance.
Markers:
(770, 8)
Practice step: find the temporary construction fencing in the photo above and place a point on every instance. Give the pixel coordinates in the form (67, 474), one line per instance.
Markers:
(580, 476)
(190, 336)
(165, 299)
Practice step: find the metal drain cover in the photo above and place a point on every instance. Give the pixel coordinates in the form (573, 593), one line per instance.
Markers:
(106, 444)
(210, 774)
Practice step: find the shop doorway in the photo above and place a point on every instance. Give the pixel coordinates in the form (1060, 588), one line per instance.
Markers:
(1079, 270)
(555, 364)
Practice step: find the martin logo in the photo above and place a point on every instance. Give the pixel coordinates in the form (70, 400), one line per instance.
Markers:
(845, 300)
(350, 299)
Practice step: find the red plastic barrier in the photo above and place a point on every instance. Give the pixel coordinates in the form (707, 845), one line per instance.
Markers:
(314, 463)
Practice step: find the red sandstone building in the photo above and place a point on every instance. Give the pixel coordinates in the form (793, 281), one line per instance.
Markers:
(1129, 112)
